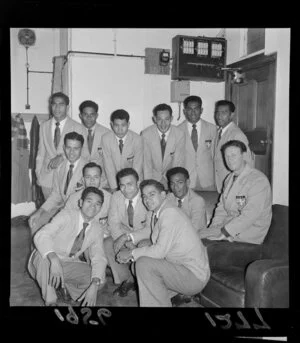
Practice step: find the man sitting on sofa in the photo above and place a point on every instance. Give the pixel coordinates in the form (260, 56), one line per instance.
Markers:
(244, 211)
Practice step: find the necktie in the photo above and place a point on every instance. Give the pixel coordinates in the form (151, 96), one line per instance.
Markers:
(56, 135)
(179, 203)
(130, 213)
(163, 145)
(69, 176)
(219, 135)
(78, 241)
(90, 140)
(121, 145)
(194, 137)
(155, 220)
(233, 180)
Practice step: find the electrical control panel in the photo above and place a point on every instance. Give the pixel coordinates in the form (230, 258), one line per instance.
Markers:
(198, 58)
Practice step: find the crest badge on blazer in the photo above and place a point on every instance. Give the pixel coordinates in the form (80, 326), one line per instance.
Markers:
(241, 202)
(100, 151)
(208, 143)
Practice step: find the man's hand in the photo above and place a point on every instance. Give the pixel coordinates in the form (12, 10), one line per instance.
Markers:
(33, 220)
(56, 276)
(89, 296)
(144, 243)
(55, 162)
(130, 245)
(119, 242)
(124, 256)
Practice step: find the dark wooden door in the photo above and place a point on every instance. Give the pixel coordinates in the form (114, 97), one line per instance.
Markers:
(254, 99)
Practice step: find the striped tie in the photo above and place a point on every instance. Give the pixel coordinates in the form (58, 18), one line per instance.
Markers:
(56, 135)
(69, 176)
(78, 241)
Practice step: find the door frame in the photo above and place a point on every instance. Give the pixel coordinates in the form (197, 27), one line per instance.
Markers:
(247, 64)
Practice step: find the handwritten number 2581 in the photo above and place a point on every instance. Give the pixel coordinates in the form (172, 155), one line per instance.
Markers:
(73, 318)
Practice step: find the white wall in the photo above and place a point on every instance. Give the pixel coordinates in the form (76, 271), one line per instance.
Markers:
(276, 41)
(120, 82)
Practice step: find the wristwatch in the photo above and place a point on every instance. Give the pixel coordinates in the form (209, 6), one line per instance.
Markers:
(96, 282)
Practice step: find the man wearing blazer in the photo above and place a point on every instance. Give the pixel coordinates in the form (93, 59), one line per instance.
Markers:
(92, 178)
(67, 179)
(228, 130)
(244, 211)
(121, 148)
(50, 151)
(199, 138)
(164, 145)
(192, 204)
(93, 133)
(175, 261)
(127, 214)
(56, 263)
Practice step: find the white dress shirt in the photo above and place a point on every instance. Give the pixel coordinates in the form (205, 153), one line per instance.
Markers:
(61, 126)
(198, 127)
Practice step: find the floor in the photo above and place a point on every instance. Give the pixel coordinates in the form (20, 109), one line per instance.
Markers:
(24, 290)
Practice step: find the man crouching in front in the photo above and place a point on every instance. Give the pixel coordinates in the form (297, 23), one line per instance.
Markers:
(176, 261)
(57, 262)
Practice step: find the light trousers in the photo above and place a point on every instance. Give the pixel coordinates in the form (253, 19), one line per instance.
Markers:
(77, 276)
(120, 271)
(157, 277)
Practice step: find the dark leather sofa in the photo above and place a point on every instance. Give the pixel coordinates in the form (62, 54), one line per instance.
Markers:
(250, 275)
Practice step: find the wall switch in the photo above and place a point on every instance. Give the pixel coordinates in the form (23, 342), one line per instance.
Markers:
(179, 90)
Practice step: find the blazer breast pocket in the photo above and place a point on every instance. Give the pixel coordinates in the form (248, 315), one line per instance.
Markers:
(172, 154)
(208, 143)
(130, 160)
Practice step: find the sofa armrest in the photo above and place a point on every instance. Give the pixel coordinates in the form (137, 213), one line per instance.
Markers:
(225, 254)
(267, 284)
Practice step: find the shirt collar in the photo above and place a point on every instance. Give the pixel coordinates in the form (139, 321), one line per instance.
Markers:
(224, 129)
(81, 221)
(75, 164)
(134, 200)
(91, 128)
(61, 123)
(198, 126)
(123, 139)
(166, 133)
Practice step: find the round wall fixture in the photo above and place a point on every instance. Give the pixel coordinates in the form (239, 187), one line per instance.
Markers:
(26, 37)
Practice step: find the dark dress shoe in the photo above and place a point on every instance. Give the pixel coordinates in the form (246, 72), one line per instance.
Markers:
(180, 299)
(124, 288)
(63, 295)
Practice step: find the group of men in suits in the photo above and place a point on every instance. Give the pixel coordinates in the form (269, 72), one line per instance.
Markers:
(149, 229)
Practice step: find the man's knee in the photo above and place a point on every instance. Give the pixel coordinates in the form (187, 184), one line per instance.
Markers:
(142, 265)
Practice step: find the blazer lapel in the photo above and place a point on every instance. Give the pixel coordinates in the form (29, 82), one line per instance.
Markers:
(189, 143)
(168, 151)
(49, 137)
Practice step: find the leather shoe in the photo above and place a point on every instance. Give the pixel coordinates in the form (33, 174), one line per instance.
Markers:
(63, 295)
(124, 288)
(180, 299)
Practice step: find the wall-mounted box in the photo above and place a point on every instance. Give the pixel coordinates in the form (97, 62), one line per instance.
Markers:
(152, 62)
(198, 58)
(179, 90)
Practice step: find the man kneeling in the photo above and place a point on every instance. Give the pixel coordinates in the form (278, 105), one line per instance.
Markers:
(56, 262)
(175, 261)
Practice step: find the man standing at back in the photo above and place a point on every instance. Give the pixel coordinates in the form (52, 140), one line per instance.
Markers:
(50, 152)
(164, 145)
(199, 138)
(92, 149)
(228, 130)
(121, 147)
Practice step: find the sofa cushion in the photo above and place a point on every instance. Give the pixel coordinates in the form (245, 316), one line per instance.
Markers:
(226, 287)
